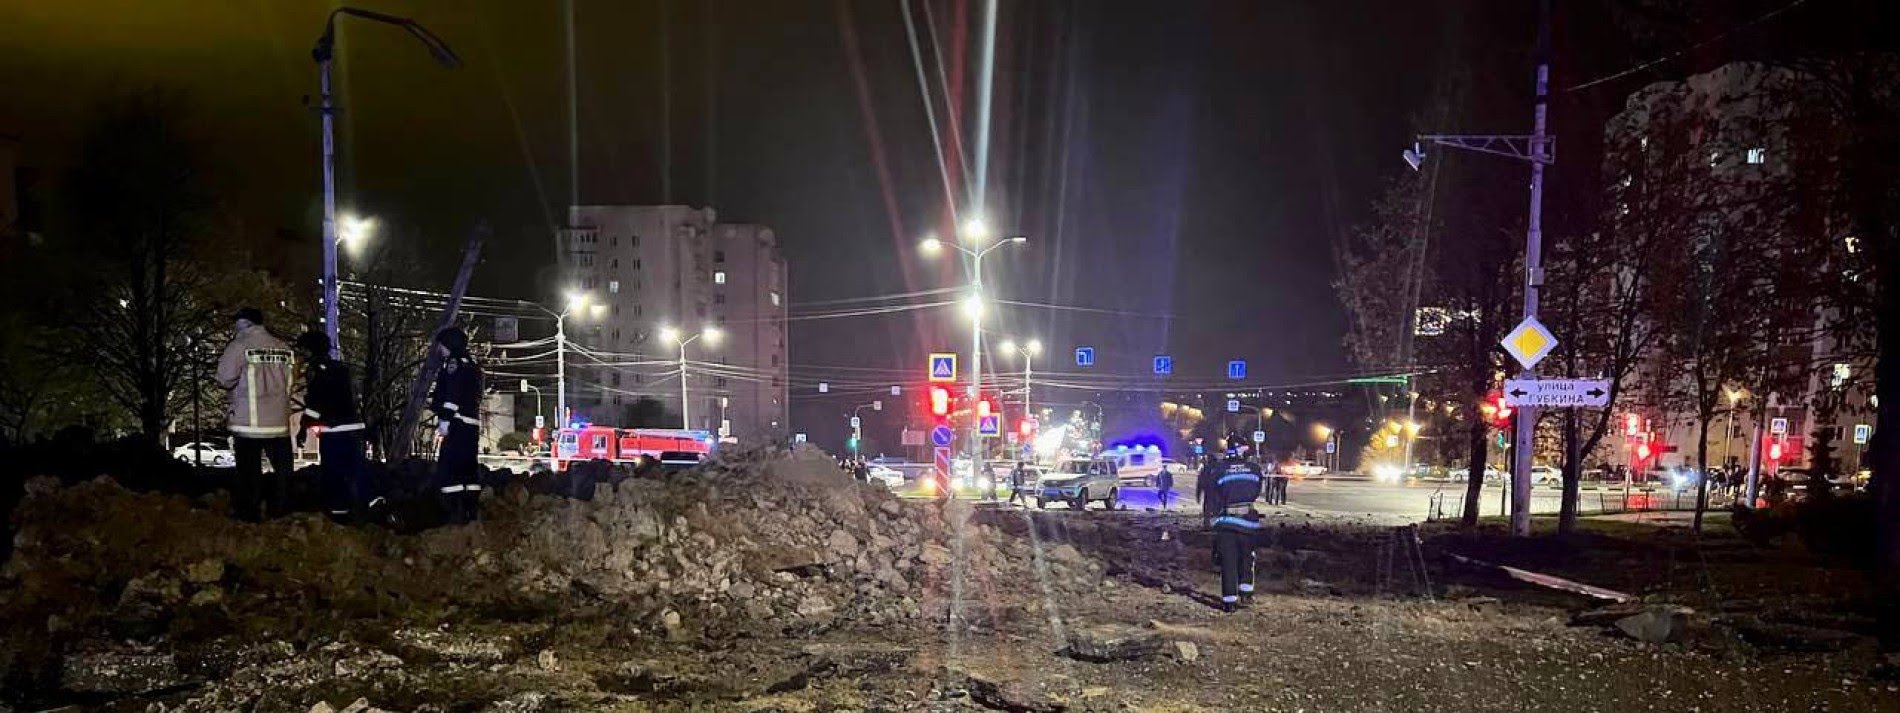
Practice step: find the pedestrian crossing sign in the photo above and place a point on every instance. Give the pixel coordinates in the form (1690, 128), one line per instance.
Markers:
(943, 367)
(988, 426)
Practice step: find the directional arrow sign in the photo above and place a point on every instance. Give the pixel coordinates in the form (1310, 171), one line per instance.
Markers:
(1529, 342)
(1562, 393)
(941, 436)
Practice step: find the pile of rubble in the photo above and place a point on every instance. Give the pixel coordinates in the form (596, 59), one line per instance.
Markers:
(756, 542)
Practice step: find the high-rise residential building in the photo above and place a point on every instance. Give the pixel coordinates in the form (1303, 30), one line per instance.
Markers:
(675, 266)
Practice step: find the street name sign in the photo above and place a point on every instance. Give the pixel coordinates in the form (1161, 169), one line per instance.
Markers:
(1530, 342)
(943, 367)
(1562, 393)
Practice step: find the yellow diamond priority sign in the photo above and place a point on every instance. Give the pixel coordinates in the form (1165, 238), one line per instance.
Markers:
(1529, 342)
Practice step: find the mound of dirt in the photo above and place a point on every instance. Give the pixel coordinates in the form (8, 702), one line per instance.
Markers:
(762, 541)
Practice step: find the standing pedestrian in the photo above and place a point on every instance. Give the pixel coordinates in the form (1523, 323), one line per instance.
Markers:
(457, 403)
(1018, 484)
(329, 405)
(255, 366)
(1164, 486)
(1236, 526)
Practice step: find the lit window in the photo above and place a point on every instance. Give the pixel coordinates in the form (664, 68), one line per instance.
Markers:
(775, 299)
(719, 278)
(613, 286)
(1841, 374)
(1757, 156)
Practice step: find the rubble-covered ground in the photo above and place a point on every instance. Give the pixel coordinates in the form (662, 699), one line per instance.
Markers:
(769, 581)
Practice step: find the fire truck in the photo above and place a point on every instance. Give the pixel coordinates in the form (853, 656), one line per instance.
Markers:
(624, 445)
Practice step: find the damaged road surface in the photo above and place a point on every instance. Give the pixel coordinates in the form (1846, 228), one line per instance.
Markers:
(768, 581)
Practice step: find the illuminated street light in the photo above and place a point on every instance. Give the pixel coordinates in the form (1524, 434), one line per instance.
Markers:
(974, 230)
(1029, 352)
(711, 334)
(325, 55)
(353, 231)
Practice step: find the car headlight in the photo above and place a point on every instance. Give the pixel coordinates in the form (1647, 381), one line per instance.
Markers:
(1386, 472)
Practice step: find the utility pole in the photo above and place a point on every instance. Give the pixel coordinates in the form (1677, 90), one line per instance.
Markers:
(1539, 148)
(412, 411)
(1533, 272)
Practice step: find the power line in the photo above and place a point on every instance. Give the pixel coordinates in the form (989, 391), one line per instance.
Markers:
(1691, 48)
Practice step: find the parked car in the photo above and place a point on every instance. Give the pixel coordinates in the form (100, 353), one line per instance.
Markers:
(1546, 475)
(888, 477)
(215, 456)
(1079, 480)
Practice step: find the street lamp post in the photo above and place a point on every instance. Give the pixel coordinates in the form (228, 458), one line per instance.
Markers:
(711, 335)
(1029, 351)
(1539, 149)
(576, 302)
(974, 231)
(325, 55)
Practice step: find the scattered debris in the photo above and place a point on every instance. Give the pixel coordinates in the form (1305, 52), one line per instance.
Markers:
(1113, 642)
(1545, 580)
(1656, 624)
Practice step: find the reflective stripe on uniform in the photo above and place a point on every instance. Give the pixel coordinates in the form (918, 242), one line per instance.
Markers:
(1246, 587)
(258, 431)
(472, 488)
(344, 428)
(1229, 598)
(1237, 522)
(1237, 476)
(450, 405)
(470, 420)
(452, 488)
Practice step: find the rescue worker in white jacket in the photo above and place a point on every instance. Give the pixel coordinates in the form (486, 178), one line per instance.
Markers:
(256, 367)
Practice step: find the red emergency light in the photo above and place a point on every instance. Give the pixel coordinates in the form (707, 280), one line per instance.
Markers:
(939, 401)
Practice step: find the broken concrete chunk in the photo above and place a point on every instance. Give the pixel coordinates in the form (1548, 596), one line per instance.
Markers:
(1185, 651)
(119, 672)
(1113, 642)
(1657, 624)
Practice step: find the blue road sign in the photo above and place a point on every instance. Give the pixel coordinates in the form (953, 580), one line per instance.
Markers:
(988, 426)
(1237, 369)
(940, 436)
(1233, 405)
(856, 422)
(1164, 365)
(1259, 436)
(943, 367)
(1085, 356)
(798, 438)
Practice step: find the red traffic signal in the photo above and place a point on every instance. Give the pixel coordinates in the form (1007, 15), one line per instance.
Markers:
(1027, 428)
(939, 401)
(983, 408)
(1643, 451)
(1632, 425)
(1774, 451)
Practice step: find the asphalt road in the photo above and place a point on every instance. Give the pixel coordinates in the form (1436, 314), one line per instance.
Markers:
(1411, 501)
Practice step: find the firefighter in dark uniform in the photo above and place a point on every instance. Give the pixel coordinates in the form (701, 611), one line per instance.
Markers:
(1229, 506)
(330, 406)
(457, 406)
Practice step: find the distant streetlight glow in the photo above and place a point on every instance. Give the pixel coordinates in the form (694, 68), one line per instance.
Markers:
(353, 231)
(975, 230)
(711, 334)
(931, 245)
(973, 306)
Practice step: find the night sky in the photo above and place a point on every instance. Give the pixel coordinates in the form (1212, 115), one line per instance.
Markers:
(1185, 164)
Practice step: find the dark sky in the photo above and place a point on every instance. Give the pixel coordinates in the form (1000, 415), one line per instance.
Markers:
(1189, 158)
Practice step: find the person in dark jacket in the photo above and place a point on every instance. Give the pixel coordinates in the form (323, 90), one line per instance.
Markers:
(1019, 484)
(1164, 486)
(456, 403)
(329, 406)
(1229, 506)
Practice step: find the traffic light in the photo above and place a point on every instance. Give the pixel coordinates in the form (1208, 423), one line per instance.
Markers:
(1027, 428)
(983, 408)
(1774, 451)
(1632, 425)
(939, 401)
(1496, 411)
(1643, 452)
